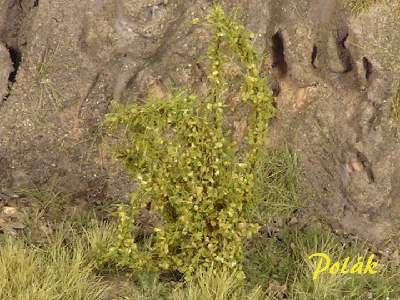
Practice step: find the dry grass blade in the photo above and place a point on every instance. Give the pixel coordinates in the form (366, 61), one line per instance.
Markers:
(63, 268)
(396, 106)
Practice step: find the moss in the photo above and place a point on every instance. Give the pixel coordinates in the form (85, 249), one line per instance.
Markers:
(359, 6)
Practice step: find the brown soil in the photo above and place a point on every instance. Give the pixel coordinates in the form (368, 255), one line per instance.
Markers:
(334, 74)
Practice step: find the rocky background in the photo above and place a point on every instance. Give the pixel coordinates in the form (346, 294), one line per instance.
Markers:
(334, 74)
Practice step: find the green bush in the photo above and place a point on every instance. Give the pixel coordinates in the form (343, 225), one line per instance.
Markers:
(190, 169)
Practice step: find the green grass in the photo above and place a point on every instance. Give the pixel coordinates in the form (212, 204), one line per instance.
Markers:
(46, 211)
(217, 285)
(68, 265)
(277, 186)
(63, 268)
(283, 262)
(279, 268)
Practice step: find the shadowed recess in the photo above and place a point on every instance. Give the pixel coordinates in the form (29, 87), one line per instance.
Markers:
(367, 67)
(314, 56)
(343, 52)
(16, 58)
(278, 53)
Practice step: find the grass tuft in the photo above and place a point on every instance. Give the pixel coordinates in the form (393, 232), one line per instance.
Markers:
(358, 6)
(277, 186)
(212, 285)
(396, 106)
(63, 268)
(281, 266)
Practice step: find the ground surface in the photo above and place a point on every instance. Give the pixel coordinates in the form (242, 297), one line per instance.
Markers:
(334, 73)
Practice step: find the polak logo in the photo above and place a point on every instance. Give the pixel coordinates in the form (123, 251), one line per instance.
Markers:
(358, 266)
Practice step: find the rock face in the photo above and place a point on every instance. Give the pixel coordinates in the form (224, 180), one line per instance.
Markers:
(6, 70)
(334, 74)
(335, 104)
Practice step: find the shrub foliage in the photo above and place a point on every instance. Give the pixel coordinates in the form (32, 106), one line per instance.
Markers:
(189, 169)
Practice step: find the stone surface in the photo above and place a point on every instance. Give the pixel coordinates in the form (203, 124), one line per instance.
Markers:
(347, 142)
(5, 70)
(334, 75)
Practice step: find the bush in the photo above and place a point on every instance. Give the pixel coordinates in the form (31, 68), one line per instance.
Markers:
(190, 169)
